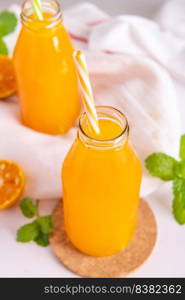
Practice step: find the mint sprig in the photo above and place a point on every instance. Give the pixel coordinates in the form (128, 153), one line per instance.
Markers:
(8, 23)
(167, 168)
(39, 230)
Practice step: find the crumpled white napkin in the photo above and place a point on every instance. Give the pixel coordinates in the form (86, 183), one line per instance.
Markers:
(124, 57)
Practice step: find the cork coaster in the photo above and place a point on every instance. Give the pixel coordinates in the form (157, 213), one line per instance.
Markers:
(117, 265)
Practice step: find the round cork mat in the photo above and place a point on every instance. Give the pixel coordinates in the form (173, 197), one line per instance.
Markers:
(117, 265)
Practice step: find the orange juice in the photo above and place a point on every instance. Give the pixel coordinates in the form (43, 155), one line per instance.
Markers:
(101, 180)
(45, 71)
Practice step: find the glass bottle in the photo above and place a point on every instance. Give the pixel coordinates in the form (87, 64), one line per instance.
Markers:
(45, 71)
(101, 179)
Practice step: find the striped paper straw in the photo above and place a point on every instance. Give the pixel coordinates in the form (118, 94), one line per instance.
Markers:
(37, 8)
(86, 89)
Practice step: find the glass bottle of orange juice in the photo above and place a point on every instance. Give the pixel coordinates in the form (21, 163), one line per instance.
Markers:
(101, 181)
(45, 71)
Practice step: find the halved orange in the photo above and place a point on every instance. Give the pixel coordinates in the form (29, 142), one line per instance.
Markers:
(7, 77)
(12, 183)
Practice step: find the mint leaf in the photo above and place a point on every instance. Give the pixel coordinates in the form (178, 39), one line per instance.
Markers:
(27, 207)
(178, 210)
(42, 239)
(180, 169)
(179, 200)
(161, 165)
(3, 48)
(45, 224)
(8, 22)
(182, 147)
(28, 232)
(179, 189)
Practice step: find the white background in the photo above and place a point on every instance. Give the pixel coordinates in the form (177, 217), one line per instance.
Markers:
(167, 259)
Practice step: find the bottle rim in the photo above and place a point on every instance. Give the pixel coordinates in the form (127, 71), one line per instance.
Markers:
(54, 5)
(106, 112)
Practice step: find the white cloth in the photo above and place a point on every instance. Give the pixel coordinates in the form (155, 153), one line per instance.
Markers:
(127, 57)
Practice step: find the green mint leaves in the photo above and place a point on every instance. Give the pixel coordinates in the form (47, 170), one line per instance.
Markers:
(167, 168)
(179, 188)
(182, 147)
(161, 165)
(179, 200)
(27, 233)
(27, 207)
(178, 210)
(45, 224)
(39, 230)
(45, 227)
(8, 23)
(3, 48)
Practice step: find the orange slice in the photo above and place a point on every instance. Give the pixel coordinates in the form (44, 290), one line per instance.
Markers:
(7, 77)
(12, 183)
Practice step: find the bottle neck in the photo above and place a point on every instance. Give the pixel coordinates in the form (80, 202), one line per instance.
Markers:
(52, 12)
(113, 139)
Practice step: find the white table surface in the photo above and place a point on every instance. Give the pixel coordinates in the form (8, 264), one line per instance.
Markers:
(167, 259)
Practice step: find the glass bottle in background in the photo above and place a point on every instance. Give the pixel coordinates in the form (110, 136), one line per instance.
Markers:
(45, 71)
(101, 181)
